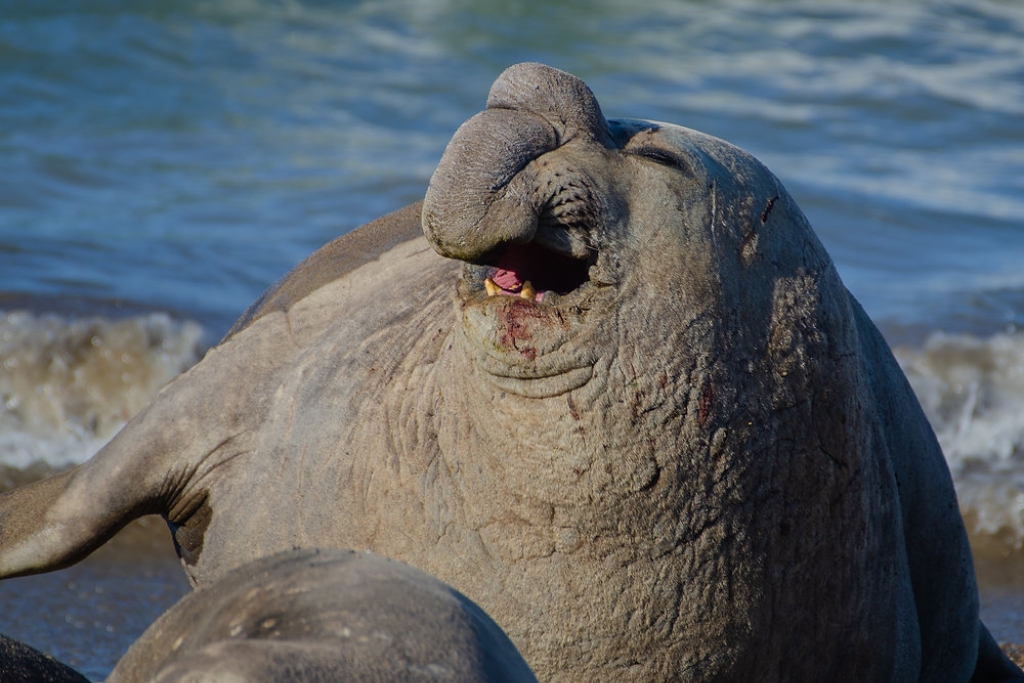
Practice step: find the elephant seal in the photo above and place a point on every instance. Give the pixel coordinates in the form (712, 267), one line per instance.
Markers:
(616, 394)
(324, 615)
(20, 663)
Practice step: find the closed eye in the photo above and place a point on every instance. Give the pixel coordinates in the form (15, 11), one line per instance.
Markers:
(663, 157)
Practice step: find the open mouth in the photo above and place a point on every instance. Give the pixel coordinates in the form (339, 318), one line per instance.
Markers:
(532, 272)
(525, 312)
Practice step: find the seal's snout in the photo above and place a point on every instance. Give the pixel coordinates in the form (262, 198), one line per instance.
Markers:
(563, 100)
(486, 193)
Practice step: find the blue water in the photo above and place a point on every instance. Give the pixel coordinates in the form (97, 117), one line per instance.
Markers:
(185, 154)
(180, 156)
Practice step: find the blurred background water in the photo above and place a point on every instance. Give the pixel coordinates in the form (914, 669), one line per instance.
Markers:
(161, 163)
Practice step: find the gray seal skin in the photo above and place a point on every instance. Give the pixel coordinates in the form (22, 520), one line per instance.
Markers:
(311, 616)
(617, 395)
(20, 663)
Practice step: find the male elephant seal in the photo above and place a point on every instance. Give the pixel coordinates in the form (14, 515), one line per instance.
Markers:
(331, 615)
(642, 424)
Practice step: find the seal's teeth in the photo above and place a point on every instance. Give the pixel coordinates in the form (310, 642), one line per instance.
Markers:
(528, 292)
(492, 289)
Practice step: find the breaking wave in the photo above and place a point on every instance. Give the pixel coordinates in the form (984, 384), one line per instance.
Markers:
(67, 385)
(972, 390)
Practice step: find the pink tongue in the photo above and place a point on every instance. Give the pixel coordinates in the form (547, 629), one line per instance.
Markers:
(507, 280)
(512, 262)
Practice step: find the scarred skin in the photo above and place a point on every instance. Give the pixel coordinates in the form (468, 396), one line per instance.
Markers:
(690, 456)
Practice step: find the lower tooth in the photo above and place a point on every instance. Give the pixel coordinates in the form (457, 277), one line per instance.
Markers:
(528, 292)
(492, 289)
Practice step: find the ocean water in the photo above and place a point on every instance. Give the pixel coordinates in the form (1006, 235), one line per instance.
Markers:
(161, 163)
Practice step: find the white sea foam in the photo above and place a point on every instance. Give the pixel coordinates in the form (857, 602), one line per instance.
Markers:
(68, 385)
(972, 390)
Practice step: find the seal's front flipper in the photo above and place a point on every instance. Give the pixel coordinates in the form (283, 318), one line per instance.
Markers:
(993, 665)
(29, 543)
(50, 525)
(54, 523)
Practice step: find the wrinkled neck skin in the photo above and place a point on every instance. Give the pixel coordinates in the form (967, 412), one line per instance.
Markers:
(614, 461)
(533, 494)
(533, 500)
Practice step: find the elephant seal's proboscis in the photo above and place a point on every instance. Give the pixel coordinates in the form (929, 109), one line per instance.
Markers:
(618, 396)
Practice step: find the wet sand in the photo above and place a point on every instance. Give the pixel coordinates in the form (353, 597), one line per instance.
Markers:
(1001, 584)
(87, 615)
